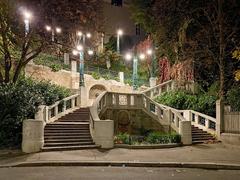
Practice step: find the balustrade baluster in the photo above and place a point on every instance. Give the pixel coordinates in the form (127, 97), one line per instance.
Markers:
(176, 121)
(128, 100)
(73, 103)
(64, 106)
(56, 110)
(197, 119)
(117, 99)
(207, 123)
(49, 113)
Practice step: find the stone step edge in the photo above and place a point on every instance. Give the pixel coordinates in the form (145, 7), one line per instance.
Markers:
(196, 165)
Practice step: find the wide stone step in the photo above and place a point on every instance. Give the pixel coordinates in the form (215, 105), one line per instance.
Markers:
(67, 140)
(69, 148)
(74, 120)
(66, 128)
(201, 135)
(66, 134)
(202, 138)
(68, 137)
(68, 144)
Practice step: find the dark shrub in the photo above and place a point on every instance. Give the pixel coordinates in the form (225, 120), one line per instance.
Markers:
(19, 101)
(233, 98)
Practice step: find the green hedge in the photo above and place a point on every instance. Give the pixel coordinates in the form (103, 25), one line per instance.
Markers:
(182, 100)
(150, 138)
(19, 101)
(233, 98)
(54, 62)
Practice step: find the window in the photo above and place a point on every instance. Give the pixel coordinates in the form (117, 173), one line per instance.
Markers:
(117, 2)
(138, 29)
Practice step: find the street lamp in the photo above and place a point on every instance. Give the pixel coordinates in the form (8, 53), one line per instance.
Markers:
(80, 50)
(152, 54)
(83, 36)
(135, 57)
(119, 33)
(27, 17)
(52, 30)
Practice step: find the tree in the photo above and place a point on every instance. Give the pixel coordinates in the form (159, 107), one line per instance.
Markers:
(202, 30)
(16, 48)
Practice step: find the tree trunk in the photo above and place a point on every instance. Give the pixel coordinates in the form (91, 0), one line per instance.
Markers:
(221, 49)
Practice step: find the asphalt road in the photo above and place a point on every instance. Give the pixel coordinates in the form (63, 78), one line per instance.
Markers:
(114, 173)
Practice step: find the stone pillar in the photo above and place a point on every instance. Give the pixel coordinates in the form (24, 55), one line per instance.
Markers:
(104, 133)
(41, 113)
(32, 135)
(219, 117)
(74, 75)
(66, 58)
(185, 130)
(187, 115)
(153, 81)
(74, 66)
(83, 96)
(121, 77)
(167, 119)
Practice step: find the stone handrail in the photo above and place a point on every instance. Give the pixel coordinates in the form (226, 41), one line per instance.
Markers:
(157, 90)
(200, 120)
(102, 131)
(168, 86)
(163, 114)
(58, 109)
(33, 129)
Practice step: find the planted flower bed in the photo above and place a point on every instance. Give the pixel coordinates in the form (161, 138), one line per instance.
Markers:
(153, 139)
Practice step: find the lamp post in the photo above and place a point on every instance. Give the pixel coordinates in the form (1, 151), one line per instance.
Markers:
(53, 30)
(152, 55)
(80, 50)
(135, 58)
(119, 33)
(27, 16)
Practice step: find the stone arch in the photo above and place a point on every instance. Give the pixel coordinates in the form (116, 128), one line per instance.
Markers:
(96, 90)
(123, 121)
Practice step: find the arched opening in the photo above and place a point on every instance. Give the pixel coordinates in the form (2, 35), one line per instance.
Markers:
(95, 91)
(123, 122)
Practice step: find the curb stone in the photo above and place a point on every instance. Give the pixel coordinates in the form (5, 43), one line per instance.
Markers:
(197, 165)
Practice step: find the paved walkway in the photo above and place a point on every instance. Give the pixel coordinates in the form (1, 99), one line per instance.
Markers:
(202, 153)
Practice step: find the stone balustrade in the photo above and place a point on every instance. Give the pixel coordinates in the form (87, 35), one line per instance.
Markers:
(200, 120)
(163, 114)
(168, 86)
(33, 129)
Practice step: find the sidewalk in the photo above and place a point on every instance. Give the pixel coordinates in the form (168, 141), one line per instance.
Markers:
(197, 154)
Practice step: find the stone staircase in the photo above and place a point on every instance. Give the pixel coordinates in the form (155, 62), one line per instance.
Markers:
(200, 136)
(70, 132)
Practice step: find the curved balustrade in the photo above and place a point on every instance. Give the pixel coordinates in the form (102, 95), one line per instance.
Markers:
(200, 120)
(60, 108)
(163, 114)
(168, 86)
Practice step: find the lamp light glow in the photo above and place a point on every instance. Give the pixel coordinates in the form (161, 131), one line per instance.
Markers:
(149, 52)
(142, 56)
(120, 32)
(79, 47)
(58, 30)
(88, 35)
(79, 33)
(90, 52)
(75, 52)
(48, 28)
(27, 15)
(128, 56)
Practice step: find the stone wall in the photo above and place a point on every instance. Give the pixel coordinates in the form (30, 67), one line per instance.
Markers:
(132, 121)
(70, 79)
(227, 124)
